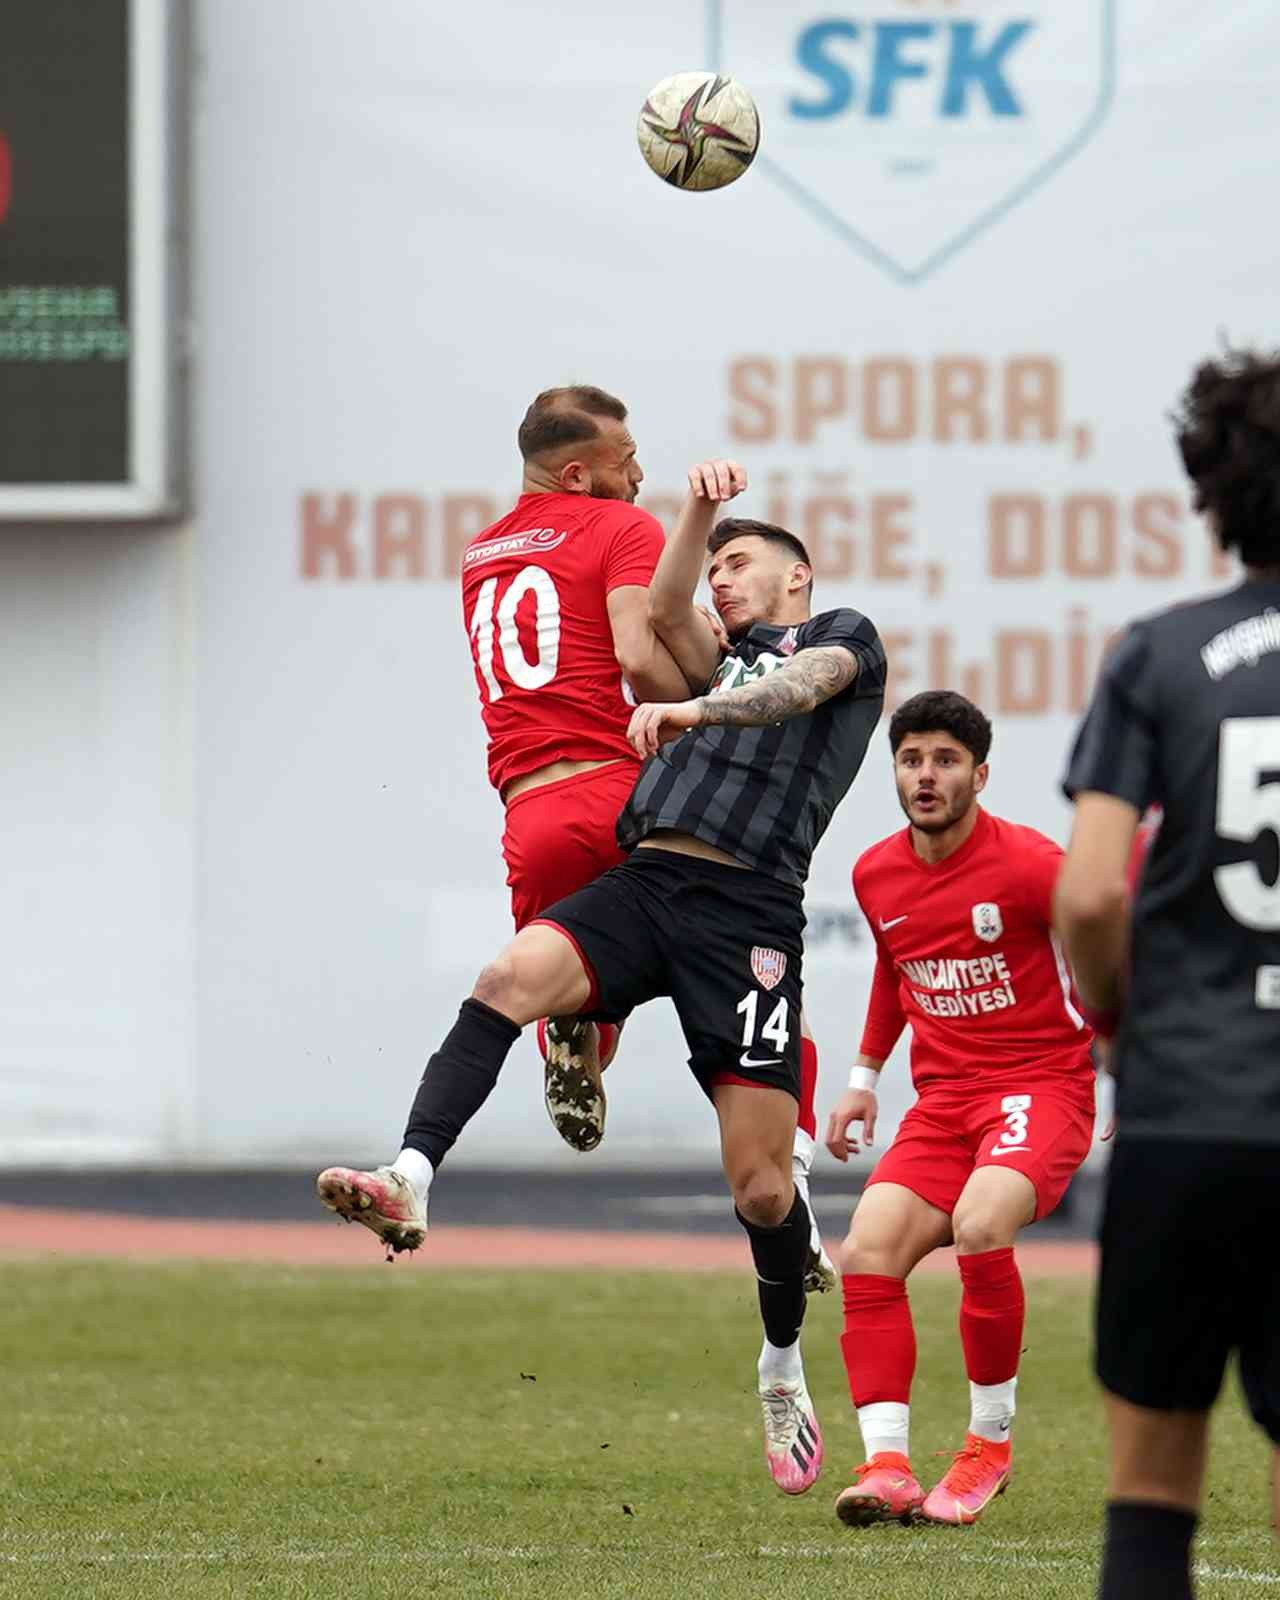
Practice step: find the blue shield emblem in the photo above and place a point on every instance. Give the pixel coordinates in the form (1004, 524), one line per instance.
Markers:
(910, 127)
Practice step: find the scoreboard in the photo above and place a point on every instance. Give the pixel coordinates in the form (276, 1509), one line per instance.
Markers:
(90, 295)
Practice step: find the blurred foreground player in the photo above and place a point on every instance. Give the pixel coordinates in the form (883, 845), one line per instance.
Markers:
(556, 602)
(738, 788)
(1186, 715)
(960, 905)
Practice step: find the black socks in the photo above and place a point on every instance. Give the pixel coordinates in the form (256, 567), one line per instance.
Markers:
(1147, 1554)
(781, 1255)
(458, 1079)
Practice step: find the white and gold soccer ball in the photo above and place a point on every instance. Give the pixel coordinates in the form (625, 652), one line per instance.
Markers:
(698, 130)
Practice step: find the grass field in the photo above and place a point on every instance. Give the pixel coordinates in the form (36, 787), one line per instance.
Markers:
(220, 1431)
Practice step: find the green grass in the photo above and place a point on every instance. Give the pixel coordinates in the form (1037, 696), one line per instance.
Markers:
(224, 1431)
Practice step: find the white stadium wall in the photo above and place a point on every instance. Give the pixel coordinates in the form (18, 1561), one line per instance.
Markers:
(253, 857)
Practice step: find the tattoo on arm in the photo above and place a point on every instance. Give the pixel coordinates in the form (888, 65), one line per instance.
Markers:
(804, 683)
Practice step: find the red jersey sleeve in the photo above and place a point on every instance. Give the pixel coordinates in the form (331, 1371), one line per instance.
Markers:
(885, 1018)
(632, 551)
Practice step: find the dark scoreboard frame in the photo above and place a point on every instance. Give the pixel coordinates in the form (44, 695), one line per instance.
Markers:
(92, 265)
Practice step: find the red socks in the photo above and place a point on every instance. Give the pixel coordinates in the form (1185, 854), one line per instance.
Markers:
(807, 1121)
(992, 1311)
(879, 1339)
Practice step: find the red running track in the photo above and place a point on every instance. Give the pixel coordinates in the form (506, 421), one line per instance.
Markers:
(37, 1233)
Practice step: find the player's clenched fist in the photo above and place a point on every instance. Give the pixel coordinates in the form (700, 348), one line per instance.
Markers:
(717, 480)
(854, 1105)
(652, 725)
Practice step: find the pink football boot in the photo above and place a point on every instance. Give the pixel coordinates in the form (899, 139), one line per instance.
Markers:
(792, 1437)
(884, 1489)
(977, 1475)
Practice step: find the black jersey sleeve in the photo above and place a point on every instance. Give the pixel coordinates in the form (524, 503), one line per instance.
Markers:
(857, 634)
(1115, 748)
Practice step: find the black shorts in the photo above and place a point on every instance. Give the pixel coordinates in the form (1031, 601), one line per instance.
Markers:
(1191, 1272)
(725, 943)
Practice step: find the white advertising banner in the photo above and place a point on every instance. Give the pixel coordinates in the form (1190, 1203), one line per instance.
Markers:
(941, 321)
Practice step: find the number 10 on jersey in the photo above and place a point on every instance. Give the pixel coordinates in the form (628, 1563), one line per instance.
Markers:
(494, 633)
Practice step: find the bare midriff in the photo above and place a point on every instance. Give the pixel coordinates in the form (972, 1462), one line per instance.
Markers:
(684, 844)
(553, 772)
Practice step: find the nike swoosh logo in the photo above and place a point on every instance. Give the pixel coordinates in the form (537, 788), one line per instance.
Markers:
(1009, 1149)
(750, 1061)
(892, 923)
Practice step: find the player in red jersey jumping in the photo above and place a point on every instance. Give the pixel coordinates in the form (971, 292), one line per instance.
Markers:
(960, 906)
(555, 600)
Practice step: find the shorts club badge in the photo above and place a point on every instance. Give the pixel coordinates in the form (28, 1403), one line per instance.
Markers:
(987, 922)
(769, 966)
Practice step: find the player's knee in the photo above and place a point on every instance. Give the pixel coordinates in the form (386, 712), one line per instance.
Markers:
(498, 982)
(760, 1194)
(978, 1230)
(856, 1253)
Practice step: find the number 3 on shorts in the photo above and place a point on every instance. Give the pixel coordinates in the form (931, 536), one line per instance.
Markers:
(1014, 1135)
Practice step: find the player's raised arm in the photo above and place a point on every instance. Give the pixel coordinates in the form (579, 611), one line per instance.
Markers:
(647, 664)
(680, 624)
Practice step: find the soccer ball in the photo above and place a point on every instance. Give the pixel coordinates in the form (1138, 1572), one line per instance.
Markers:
(698, 130)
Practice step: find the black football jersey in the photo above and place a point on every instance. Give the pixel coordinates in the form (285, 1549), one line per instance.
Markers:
(1186, 716)
(766, 795)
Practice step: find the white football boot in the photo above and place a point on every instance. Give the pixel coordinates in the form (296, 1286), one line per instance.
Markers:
(383, 1200)
(792, 1437)
(820, 1271)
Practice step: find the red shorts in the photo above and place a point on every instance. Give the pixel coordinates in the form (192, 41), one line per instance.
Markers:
(1041, 1130)
(560, 836)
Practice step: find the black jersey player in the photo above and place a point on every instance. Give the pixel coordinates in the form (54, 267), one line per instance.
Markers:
(738, 787)
(1186, 716)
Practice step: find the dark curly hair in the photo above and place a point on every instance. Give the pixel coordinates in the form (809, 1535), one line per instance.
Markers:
(942, 711)
(1228, 430)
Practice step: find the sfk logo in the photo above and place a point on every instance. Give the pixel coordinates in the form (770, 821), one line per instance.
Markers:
(988, 924)
(909, 127)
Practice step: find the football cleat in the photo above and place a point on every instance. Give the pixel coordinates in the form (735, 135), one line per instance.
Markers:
(975, 1477)
(884, 1489)
(819, 1270)
(573, 1088)
(382, 1200)
(792, 1437)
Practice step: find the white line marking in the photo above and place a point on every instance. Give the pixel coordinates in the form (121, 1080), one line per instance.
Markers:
(887, 1552)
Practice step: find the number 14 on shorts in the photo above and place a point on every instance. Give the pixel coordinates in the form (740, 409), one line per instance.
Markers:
(774, 1029)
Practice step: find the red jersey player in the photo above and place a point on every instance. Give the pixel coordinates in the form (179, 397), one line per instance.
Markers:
(555, 599)
(960, 906)
(556, 604)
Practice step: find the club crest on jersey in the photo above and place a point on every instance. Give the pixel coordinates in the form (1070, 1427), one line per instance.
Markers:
(769, 966)
(987, 922)
(787, 644)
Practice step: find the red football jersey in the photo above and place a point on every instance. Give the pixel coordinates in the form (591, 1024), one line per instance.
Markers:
(965, 953)
(535, 588)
